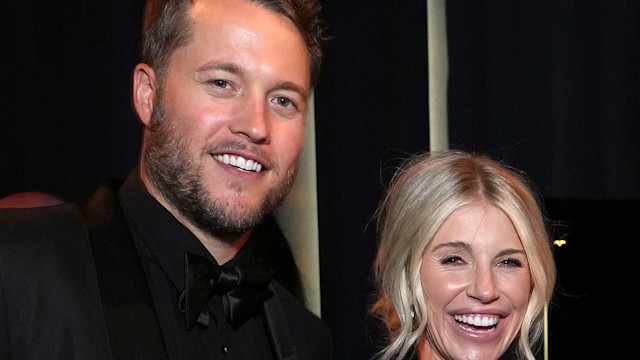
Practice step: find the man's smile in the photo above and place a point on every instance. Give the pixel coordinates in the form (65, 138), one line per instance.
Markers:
(239, 162)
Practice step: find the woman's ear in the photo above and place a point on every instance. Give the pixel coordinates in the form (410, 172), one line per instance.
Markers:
(144, 92)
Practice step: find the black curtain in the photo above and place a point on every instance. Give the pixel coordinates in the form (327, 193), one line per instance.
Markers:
(371, 112)
(553, 88)
(67, 119)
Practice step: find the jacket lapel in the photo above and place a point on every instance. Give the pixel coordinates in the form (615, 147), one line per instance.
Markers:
(277, 327)
(129, 313)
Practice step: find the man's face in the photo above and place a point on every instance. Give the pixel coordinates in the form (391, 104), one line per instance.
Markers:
(228, 123)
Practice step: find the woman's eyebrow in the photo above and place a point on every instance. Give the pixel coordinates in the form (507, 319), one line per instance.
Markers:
(506, 252)
(466, 246)
(454, 244)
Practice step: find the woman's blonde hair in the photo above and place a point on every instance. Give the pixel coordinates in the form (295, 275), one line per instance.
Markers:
(423, 193)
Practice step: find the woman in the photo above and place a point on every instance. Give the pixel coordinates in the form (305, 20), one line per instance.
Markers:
(464, 266)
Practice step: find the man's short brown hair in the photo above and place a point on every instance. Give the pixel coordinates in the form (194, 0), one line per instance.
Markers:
(166, 27)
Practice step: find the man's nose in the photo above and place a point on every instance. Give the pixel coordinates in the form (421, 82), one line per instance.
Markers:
(253, 121)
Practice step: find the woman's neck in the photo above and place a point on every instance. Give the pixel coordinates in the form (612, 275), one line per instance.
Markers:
(425, 352)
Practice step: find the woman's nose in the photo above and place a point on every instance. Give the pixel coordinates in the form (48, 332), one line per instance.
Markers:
(483, 285)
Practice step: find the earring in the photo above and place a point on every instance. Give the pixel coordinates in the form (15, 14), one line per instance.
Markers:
(413, 312)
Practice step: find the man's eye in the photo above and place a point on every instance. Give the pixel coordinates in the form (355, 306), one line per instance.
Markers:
(284, 102)
(220, 83)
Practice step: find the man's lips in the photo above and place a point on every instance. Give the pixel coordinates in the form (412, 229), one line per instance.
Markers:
(239, 162)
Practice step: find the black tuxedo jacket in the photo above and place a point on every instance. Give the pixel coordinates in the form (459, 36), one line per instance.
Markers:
(72, 287)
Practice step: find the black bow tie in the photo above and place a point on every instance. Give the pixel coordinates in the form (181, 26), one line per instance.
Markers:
(243, 290)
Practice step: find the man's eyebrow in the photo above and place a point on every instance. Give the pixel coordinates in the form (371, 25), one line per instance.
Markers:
(289, 85)
(228, 67)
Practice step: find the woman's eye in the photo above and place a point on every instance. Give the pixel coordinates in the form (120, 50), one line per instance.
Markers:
(452, 260)
(510, 262)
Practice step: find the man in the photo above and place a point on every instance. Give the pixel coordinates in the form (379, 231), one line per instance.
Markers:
(132, 272)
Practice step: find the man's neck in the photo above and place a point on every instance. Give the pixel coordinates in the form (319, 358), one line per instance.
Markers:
(221, 249)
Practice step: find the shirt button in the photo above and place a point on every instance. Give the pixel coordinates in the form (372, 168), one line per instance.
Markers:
(224, 349)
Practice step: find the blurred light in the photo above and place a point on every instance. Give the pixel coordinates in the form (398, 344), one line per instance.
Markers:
(559, 243)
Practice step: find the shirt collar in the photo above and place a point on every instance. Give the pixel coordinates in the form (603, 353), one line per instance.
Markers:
(158, 230)
(162, 234)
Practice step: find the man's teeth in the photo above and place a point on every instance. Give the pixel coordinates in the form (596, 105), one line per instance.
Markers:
(240, 162)
(477, 320)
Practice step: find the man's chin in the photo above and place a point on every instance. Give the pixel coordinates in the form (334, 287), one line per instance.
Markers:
(229, 227)
(229, 235)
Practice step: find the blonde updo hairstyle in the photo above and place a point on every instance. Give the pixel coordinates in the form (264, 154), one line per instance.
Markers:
(423, 193)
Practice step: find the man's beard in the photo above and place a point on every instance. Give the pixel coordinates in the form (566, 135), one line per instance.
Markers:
(180, 180)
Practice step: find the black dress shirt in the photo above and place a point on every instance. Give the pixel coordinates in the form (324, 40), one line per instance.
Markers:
(161, 241)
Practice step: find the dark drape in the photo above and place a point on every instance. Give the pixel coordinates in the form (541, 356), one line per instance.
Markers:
(371, 111)
(65, 110)
(553, 88)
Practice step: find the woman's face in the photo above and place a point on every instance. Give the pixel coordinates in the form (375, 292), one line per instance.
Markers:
(476, 281)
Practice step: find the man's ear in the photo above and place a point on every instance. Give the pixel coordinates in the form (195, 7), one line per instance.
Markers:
(144, 92)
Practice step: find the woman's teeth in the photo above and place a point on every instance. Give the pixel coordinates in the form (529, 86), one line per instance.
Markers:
(478, 320)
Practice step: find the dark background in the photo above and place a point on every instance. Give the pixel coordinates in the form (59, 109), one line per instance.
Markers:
(550, 87)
